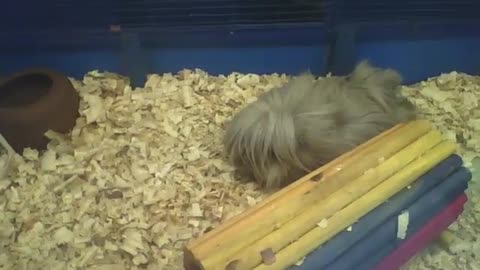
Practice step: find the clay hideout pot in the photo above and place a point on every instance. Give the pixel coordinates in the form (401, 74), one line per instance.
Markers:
(33, 102)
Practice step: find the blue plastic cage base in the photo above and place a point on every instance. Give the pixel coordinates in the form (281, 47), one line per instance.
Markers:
(417, 51)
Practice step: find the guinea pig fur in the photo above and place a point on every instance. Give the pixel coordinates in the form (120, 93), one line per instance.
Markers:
(292, 130)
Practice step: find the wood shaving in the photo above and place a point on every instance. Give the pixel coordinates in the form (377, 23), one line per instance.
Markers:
(323, 223)
(196, 211)
(142, 172)
(451, 102)
(6, 156)
(300, 262)
(403, 221)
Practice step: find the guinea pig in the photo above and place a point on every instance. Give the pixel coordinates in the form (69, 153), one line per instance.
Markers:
(294, 129)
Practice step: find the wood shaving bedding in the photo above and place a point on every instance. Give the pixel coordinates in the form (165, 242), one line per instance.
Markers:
(451, 102)
(142, 172)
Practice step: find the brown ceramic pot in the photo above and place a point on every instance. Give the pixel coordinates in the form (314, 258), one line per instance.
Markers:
(34, 101)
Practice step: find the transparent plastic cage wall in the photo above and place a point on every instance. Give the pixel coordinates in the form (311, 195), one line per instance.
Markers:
(420, 38)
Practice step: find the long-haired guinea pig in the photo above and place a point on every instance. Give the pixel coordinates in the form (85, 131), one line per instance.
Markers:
(292, 130)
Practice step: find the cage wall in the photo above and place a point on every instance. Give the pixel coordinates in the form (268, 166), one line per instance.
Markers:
(419, 38)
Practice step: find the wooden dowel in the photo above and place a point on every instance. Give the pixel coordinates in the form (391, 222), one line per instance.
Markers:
(347, 216)
(253, 225)
(302, 185)
(312, 214)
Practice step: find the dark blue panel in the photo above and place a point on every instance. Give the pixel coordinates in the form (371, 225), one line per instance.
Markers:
(100, 14)
(51, 15)
(174, 13)
(343, 49)
(135, 63)
(417, 60)
(70, 23)
(261, 36)
(290, 60)
(74, 64)
(375, 11)
(89, 14)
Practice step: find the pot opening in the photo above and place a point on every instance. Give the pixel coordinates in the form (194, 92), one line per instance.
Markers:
(24, 90)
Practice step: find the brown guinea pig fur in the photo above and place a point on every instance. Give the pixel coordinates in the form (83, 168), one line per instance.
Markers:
(292, 130)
